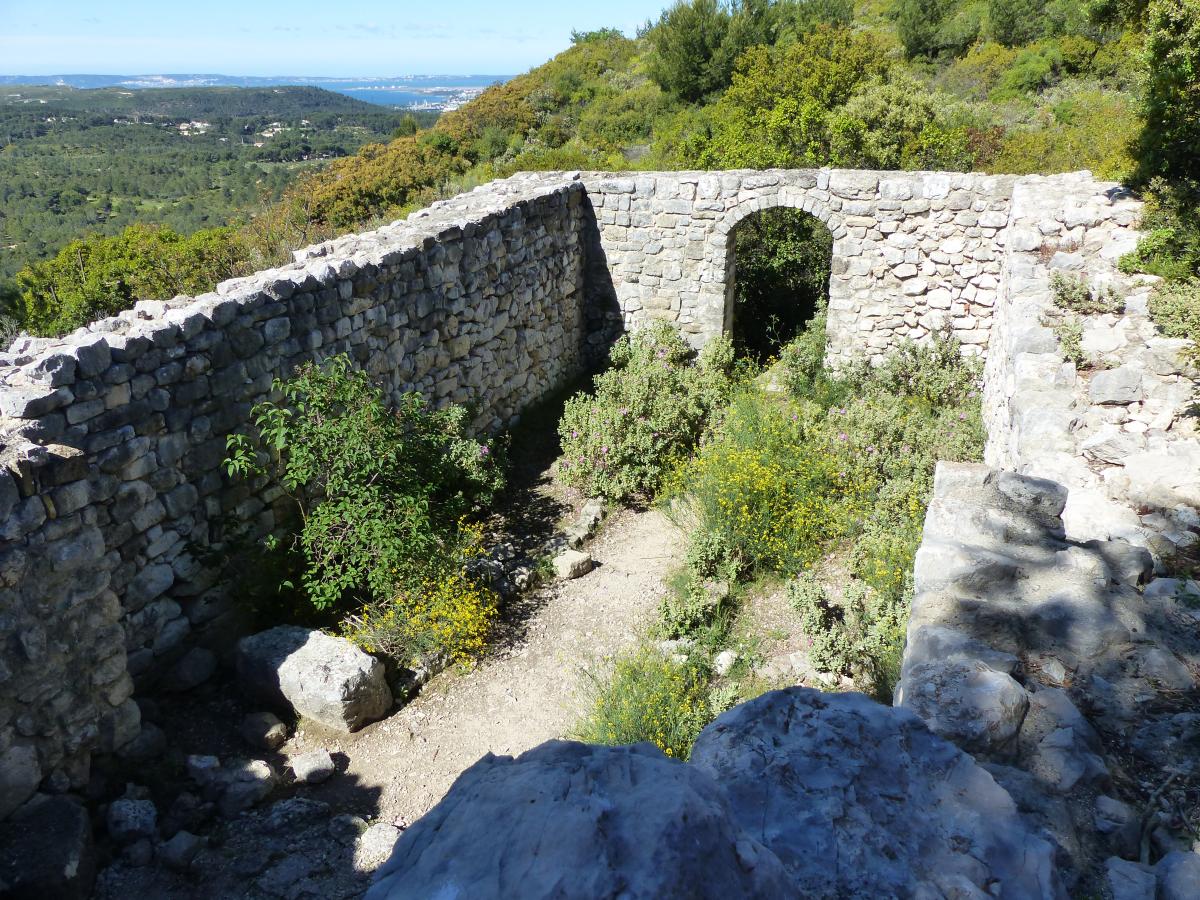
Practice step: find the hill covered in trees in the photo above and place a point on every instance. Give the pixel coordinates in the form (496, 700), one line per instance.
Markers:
(96, 161)
(1015, 86)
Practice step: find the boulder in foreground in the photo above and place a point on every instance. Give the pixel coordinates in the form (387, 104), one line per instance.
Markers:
(321, 677)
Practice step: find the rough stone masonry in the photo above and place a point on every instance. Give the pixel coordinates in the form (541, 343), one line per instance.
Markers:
(113, 501)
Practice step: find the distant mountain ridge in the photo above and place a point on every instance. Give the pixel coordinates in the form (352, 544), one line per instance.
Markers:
(211, 80)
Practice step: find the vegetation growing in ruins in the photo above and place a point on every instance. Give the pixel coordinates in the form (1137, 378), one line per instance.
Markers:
(645, 413)
(385, 494)
(839, 467)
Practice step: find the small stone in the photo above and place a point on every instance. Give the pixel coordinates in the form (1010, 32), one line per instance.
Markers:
(313, 767)
(193, 669)
(1116, 386)
(375, 846)
(250, 781)
(131, 820)
(1164, 668)
(20, 775)
(179, 851)
(263, 730)
(572, 564)
(724, 661)
(1129, 880)
(204, 770)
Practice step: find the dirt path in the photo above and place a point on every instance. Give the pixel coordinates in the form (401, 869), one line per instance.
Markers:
(528, 691)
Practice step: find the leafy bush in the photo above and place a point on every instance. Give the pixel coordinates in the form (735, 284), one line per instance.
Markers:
(1175, 308)
(688, 54)
(898, 124)
(1170, 245)
(776, 112)
(1076, 295)
(100, 276)
(1171, 102)
(649, 697)
(646, 413)
(763, 497)
(859, 637)
(382, 494)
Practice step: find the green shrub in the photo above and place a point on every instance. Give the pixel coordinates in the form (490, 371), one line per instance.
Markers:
(1170, 244)
(1075, 294)
(763, 496)
(646, 413)
(897, 124)
(648, 697)
(859, 637)
(1170, 100)
(99, 276)
(382, 494)
(1175, 308)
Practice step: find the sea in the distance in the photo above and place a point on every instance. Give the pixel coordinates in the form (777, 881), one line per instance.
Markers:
(437, 92)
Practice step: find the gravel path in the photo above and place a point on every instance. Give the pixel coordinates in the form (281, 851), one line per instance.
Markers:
(528, 691)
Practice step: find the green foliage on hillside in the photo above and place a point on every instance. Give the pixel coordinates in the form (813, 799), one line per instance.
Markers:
(96, 277)
(995, 85)
(76, 162)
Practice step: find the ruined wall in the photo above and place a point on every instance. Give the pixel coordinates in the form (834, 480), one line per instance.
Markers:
(913, 252)
(113, 495)
(1040, 640)
(115, 512)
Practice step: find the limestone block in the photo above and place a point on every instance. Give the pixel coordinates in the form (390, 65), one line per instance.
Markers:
(321, 677)
(564, 809)
(812, 776)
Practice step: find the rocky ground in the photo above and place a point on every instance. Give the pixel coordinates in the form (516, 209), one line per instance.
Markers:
(324, 839)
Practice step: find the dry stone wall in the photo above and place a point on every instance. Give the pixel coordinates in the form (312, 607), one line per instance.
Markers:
(913, 252)
(113, 496)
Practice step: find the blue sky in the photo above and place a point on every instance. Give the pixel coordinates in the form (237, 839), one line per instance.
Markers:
(298, 37)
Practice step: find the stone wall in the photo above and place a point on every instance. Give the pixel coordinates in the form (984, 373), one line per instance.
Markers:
(1040, 639)
(913, 252)
(113, 495)
(1119, 433)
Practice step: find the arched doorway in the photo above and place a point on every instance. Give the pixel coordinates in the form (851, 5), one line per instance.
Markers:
(778, 268)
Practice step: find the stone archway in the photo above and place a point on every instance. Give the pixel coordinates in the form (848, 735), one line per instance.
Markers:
(778, 273)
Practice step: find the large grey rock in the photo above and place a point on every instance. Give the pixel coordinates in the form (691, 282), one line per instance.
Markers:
(321, 677)
(130, 820)
(1129, 880)
(862, 800)
(1113, 386)
(263, 730)
(1179, 876)
(967, 702)
(20, 775)
(46, 851)
(570, 820)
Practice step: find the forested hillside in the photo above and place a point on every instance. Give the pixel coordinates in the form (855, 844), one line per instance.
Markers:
(1014, 86)
(96, 161)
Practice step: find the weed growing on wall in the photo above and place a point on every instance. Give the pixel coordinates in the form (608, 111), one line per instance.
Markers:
(383, 493)
(645, 414)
